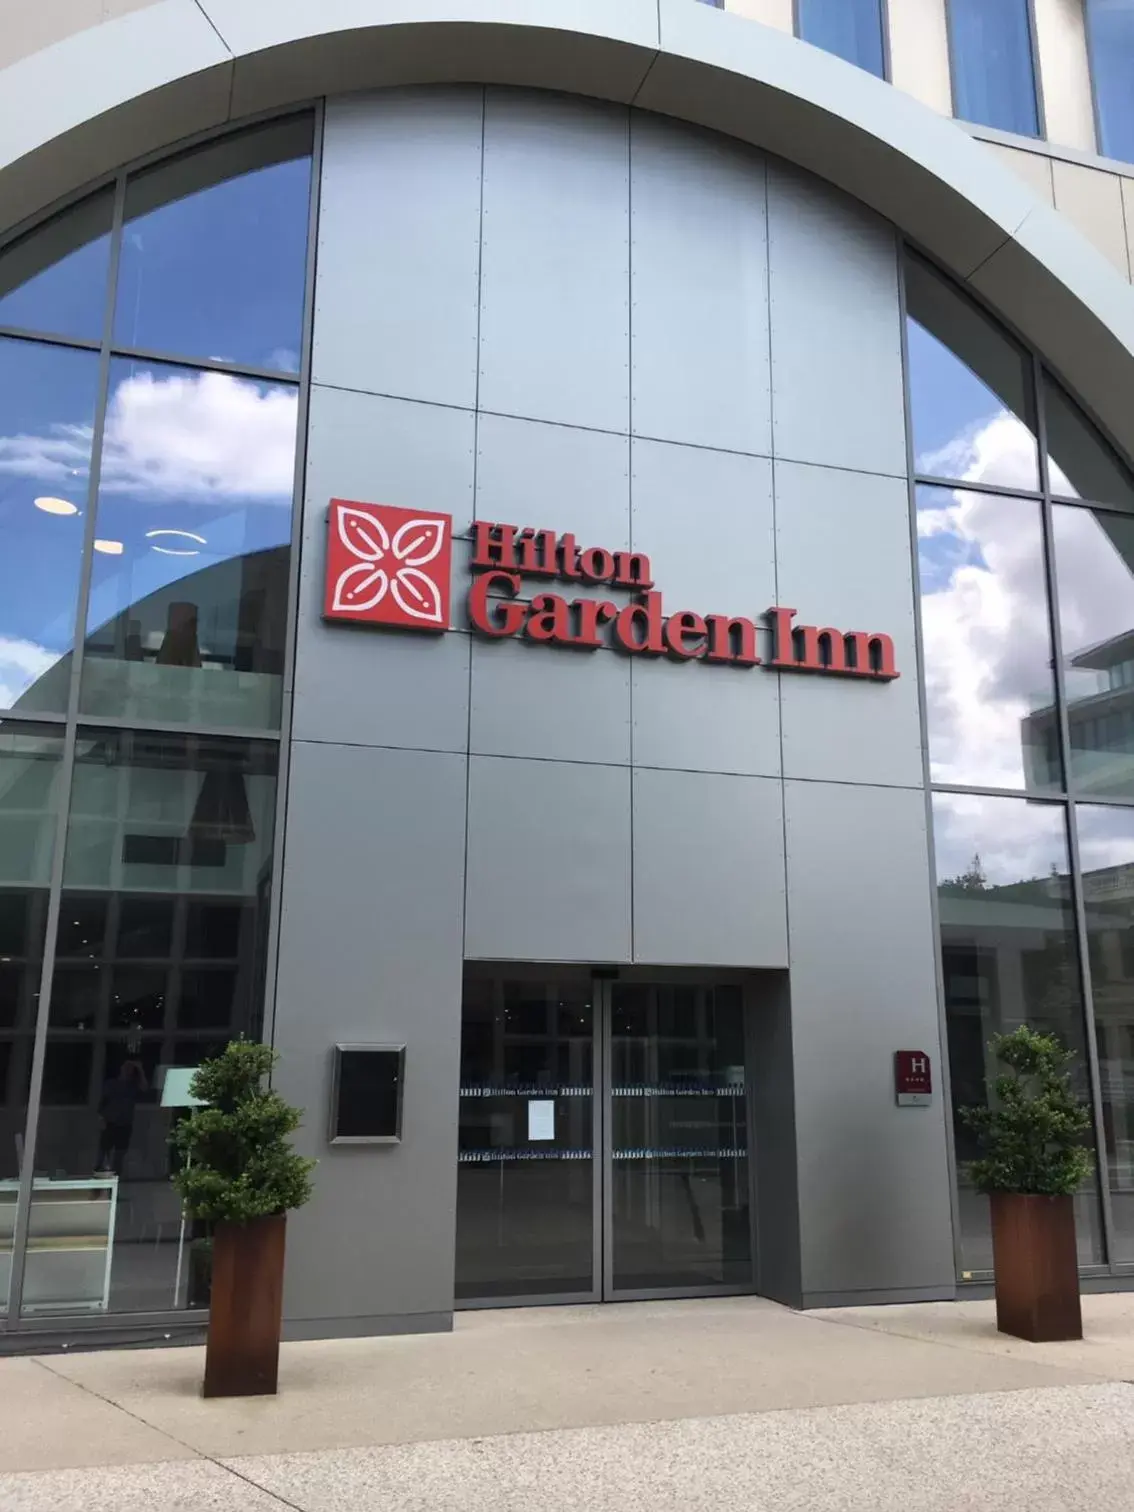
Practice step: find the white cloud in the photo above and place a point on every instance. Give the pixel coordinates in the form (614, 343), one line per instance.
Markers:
(198, 437)
(22, 662)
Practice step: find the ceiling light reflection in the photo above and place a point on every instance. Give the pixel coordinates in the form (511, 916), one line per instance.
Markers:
(54, 506)
(110, 548)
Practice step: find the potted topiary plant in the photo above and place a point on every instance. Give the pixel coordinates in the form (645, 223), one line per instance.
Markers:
(241, 1176)
(1033, 1159)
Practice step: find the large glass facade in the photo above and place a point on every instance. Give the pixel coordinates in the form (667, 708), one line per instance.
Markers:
(1026, 570)
(150, 343)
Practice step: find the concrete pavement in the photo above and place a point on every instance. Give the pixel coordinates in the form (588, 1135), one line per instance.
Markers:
(723, 1404)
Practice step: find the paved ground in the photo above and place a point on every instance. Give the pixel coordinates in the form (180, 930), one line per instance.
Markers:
(670, 1407)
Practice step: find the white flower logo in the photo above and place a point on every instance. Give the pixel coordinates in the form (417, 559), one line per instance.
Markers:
(389, 566)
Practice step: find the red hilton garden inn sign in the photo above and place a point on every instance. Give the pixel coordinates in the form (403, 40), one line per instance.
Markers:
(393, 567)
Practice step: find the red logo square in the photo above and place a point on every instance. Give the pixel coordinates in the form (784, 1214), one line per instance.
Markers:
(388, 566)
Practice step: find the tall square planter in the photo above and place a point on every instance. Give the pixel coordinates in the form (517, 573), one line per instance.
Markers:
(1037, 1267)
(242, 1355)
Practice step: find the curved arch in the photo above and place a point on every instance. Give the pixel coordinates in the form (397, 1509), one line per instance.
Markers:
(82, 107)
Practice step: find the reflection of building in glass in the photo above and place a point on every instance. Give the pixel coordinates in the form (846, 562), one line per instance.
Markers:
(1100, 713)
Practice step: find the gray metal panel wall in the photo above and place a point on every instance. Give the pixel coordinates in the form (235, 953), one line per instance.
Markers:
(370, 952)
(873, 1177)
(612, 810)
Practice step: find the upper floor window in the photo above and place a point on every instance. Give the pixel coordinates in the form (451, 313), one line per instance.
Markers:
(1110, 37)
(851, 29)
(994, 74)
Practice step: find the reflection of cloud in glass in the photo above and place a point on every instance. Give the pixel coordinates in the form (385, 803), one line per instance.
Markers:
(1015, 840)
(192, 437)
(984, 615)
(22, 662)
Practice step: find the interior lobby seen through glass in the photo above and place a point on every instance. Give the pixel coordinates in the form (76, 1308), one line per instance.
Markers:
(54, 280)
(31, 763)
(989, 686)
(971, 389)
(214, 251)
(187, 619)
(603, 1137)
(159, 962)
(47, 405)
(1009, 956)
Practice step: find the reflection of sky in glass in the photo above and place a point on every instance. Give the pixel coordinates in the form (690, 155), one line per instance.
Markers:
(1016, 841)
(207, 459)
(220, 273)
(47, 403)
(55, 279)
(985, 633)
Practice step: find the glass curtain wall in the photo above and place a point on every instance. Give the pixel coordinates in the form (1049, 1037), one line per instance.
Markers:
(1025, 527)
(150, 342)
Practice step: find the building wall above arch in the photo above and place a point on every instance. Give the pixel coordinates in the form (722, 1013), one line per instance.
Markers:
(147, 79)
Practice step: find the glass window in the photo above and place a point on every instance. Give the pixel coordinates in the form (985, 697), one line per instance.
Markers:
(214, 251)
(189, 590)
(851, 29)
(30, 795)
(994, 81)
(54, 279)
(164, 830)
(1106, 850)
(1094, 559)
(971, 393)
(990, 697)
(47, 409)
(1009, 957)
(1110, 36)
(1080, 463)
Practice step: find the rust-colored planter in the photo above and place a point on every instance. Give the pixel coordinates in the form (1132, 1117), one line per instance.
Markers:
(1037, 1267)
(243, 1352)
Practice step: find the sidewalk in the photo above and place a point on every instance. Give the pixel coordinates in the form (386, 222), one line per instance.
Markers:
(671, 1407)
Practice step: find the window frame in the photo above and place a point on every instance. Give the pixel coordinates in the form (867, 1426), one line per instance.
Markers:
(1037, 76)
(883, 21)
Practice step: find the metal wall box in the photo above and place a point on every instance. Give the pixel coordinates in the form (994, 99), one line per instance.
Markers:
(367, 1083)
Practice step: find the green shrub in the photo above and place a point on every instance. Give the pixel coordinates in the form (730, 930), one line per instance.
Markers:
(1033, 1136)
(239, 1164)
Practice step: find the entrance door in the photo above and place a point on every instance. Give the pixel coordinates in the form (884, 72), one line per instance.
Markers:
(603, 1144)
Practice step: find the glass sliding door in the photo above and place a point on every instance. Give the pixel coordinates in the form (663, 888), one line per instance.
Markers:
(603, 1145)
(525, 1163)
(679, 1210)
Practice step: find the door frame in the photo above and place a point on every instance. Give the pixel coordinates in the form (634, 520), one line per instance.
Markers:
(602, 980)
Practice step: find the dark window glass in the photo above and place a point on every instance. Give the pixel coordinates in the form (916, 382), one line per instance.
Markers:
(47, 409)
(990, 698)
(1110, 35)
(1009, 957)
(994, 81)
(1081, 464)
(214, 251)
(82, 928)
(525, 1190)
(188, 609)
(208, 999)
(851, 29)
(213, 931)
(160, 826)
(55, 279)
(77, 996)
(971, 397)
(1094, 560)
(1106, 849)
